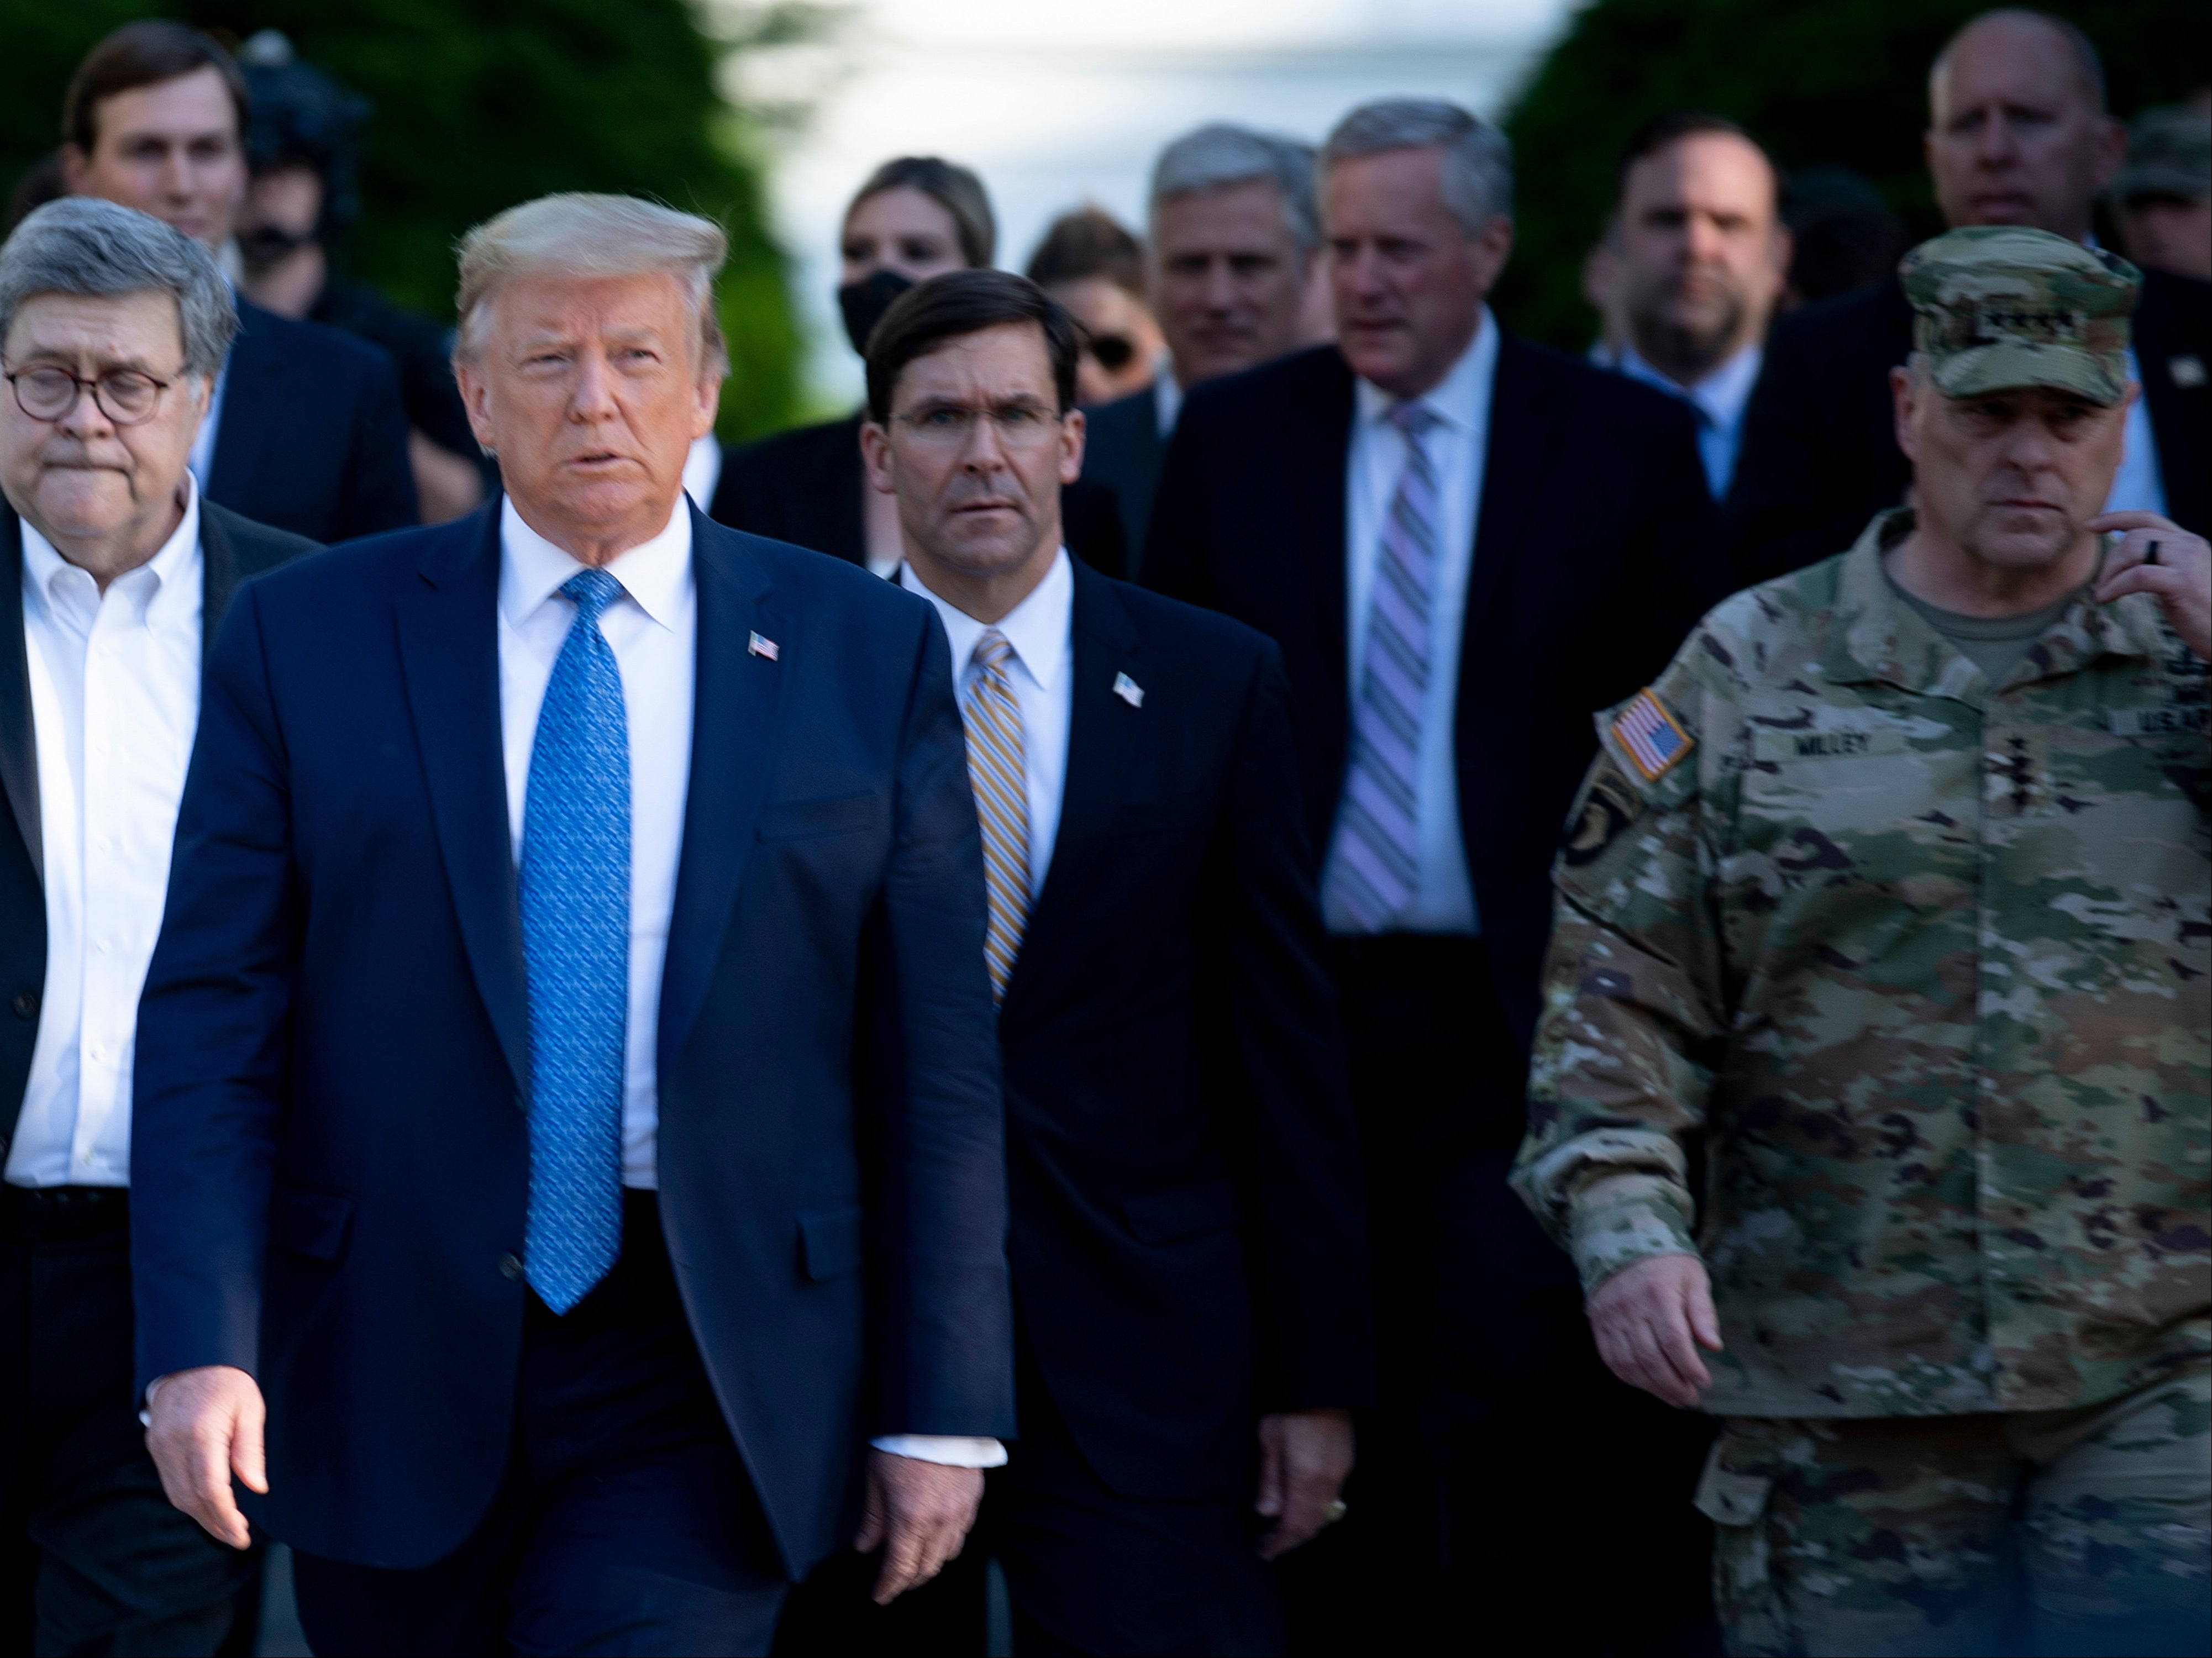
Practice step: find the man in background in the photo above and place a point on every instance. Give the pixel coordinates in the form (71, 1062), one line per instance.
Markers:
(1411, 514)
(2162, 197)
(1701, 258)
(1234, 237)
(306, 430)
(2017, 135)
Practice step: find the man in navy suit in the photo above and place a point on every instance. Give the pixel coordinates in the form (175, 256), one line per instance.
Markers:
(1187, 1241)
(1465, 545)
(306, 430)
(569, 1113)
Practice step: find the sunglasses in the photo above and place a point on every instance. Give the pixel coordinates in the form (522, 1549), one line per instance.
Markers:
(1111, 352)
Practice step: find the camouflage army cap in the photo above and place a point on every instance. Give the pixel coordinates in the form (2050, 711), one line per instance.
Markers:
(2169, 154)
(1998, 307)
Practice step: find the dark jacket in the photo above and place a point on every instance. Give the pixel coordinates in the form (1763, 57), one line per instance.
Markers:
(1122, 450)
(330, 1138)
(231, 549)
(1189, 1235)
(312, 436)
(803, 486)
(1595, 550)
(1819, 447)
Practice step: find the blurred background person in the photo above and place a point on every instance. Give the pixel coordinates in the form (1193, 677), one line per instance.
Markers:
(306, 430)
(302, 138)
(916, 217)
(1601, 288)
(1465, 544)
(1234, 241)
(1843, 234)
(1094, 266)
(42, 182)
(2162, 197)
(2017, 134)
(1702, 256)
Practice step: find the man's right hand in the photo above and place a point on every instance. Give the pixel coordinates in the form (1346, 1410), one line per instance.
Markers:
(1649, 1319)
(204, 1425)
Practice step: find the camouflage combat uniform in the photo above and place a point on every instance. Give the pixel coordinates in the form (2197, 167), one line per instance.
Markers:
(1884, 991)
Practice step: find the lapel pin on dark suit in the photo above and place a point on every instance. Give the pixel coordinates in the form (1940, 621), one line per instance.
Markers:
(756, 645)
(1128, 691)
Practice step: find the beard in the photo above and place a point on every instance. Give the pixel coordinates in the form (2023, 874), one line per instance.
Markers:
(1685, 350)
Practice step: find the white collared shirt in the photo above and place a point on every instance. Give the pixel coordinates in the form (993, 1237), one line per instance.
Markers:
(653, 629)
(1719, 400)
(1457, 447)
(1041, 630)
(115, 701)
(1167, 397)
(201, 458)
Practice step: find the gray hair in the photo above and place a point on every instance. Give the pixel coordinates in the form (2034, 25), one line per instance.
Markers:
(97, 250)
(1218, 155)
(584, 235)
(1478, 171)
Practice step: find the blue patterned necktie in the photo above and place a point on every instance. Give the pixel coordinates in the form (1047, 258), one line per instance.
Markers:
(575, 945)
(1375, 865)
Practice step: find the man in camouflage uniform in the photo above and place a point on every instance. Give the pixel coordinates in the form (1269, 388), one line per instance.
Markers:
(1875, 1055)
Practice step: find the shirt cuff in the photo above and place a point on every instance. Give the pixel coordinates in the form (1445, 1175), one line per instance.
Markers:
(950, 1450)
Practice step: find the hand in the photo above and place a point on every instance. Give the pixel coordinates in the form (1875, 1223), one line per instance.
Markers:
(1649, 1319)
(205, 1425)
(1304, 1456)
(919, 1513)
(2181, 579)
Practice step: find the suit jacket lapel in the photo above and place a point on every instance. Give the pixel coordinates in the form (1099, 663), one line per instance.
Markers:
(449, 654)
(218, 579)
(1511, 485)
(1103, 733)
(734, 732)
(19, 743)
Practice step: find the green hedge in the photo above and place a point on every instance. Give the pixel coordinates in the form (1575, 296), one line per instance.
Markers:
(481, 104)
(1817, 81)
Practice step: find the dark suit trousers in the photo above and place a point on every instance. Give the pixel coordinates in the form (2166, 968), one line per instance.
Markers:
(627, 1523)
(95, 1560)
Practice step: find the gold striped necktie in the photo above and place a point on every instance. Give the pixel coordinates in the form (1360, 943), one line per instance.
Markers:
(995, 771)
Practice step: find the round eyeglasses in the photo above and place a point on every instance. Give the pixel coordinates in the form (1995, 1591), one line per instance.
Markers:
(126, 396)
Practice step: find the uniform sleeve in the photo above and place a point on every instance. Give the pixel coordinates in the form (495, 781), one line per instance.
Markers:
(1633, 995)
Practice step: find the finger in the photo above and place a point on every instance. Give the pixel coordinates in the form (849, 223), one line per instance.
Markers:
(872, 1519)
(248, 1456)
(900, 1557)
(212, 1504)
(1670, 1329)
(2105, 523)
(2162, 579)
(1704, 1317)
(1654, 1373)
(1269, 1501)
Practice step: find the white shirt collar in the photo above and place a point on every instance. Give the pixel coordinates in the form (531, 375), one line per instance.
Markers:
(653, 573)
(1167, 395)
(154, 588)
(1461, 400)
(1037, 628)
(1721, 396)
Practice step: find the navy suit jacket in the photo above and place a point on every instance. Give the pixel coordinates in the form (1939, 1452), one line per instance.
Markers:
(331, 1146)
(231, 550)
(1122, 450)
(312, 435)
(1595, 551)
(1820, 438)
(1190, 1240)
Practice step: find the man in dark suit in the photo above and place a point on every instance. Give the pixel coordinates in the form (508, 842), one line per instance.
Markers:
(113, 573)
(566, 1079)
(1465, 545)
(306, 430)
(2017, 134)
(1234, 237)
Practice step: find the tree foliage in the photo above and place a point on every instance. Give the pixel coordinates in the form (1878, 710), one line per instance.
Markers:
(1835, 82)
(481, 104)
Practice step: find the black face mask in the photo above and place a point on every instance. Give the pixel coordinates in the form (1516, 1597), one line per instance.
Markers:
(864, 302)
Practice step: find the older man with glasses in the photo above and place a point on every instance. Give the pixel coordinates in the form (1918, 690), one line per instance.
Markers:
(114, 572)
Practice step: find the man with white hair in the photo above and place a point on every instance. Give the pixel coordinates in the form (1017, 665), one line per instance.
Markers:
(113, 569)
(567, 1079)
(1234, 242)
(1465, 545)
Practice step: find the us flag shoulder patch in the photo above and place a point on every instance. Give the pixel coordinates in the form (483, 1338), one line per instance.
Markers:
(1654, 738)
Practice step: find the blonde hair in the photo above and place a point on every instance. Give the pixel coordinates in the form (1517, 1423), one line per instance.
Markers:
(578, 234)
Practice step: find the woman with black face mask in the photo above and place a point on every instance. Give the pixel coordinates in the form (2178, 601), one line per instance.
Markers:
(916, 217)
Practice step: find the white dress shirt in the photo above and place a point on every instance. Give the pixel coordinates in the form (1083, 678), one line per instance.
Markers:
(115, 699)
(653, 631)
(1457, 445)
(1719, 400)
(202, 455)
(1041, 629)
(1167, 397)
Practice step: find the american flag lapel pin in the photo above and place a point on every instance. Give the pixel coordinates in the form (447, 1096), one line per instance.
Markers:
(756, 645)
(1128, 691)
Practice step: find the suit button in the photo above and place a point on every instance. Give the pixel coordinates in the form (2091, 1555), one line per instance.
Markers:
(26, 1005)
(510, 1268)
